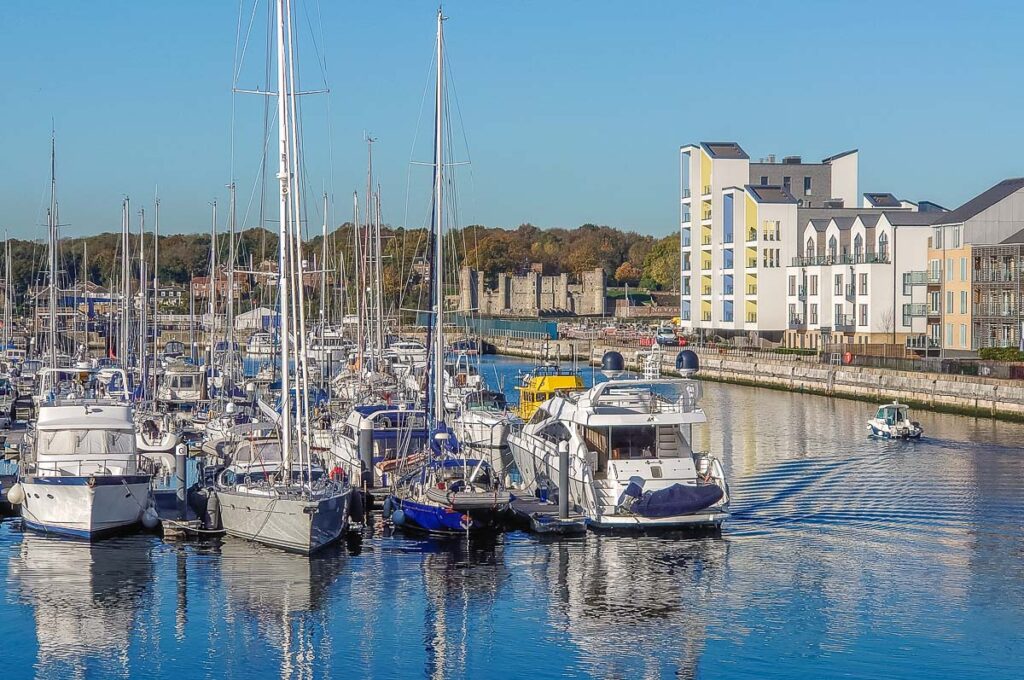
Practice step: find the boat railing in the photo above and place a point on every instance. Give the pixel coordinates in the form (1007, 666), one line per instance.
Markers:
(78, 466)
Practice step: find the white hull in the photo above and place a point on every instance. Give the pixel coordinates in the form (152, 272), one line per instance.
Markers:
(68, 505)
(293, 524)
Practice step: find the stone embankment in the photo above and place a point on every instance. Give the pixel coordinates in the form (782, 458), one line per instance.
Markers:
(972, 395)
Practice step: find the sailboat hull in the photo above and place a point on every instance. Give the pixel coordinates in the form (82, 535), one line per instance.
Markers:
(71, 506)
(435, 519)
(293, 524)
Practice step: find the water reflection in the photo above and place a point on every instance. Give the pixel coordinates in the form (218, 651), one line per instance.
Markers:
(85, 600)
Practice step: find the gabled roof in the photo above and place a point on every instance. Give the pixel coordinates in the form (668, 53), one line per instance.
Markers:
(981, 202)
(843, 222)
(820, 225)
(930, 206)
(730, 150)
(770, 194)
(869, 220)
(912, 219)
(882, 200)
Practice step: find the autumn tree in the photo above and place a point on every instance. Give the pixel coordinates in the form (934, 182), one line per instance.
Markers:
(628, 274)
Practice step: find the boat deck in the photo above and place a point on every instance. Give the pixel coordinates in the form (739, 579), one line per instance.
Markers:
(542, 516)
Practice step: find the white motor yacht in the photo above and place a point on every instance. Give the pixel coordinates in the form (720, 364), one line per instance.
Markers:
(85, 476)
(892, 421)
(261, 345)
(629, 447)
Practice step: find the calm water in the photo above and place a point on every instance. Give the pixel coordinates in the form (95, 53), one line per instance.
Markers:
(845, 557)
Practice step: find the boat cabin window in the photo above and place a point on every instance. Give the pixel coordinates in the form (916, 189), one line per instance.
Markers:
(539, 415)
(85, 442)
(556, 432)
(257, 452)
(633, 442)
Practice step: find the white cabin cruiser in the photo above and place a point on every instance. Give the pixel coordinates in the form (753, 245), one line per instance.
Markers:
(892, 421)
(85, 476)
(629, 447)
(261, 345)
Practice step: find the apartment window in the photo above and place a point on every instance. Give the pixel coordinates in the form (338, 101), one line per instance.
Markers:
(764, 180)
(792, 311)
(832, 248)
(727, 259)
(937, 239)
(907, 288)
(792, 285)
(863, 315)
(963, 302)
(727, 222)
(949, 302)
(963, 268)
(686, 285)
(949, 335)
(883, 246)
(686, 310)
(864, 284)
(838, 314)
(936, 302)
(963, 335)
(686, 262)
(949, 269)
(814, 312)
(858, 247)
(727, 311)
(786, 182)
(956, 237)
(814, 284)
(807, 186)
(839, 284)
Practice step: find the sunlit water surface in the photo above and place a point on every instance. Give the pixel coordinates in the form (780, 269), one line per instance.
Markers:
(845, 557)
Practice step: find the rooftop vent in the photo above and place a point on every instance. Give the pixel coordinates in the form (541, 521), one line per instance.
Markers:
(791, 160)
(834, 203)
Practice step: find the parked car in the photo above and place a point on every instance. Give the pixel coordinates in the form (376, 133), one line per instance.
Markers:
(667, 336)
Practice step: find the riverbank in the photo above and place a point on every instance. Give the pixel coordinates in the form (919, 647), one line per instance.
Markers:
(968, 395)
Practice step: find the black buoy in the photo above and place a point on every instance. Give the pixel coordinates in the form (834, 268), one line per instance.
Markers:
(612, 364)
(687, 363)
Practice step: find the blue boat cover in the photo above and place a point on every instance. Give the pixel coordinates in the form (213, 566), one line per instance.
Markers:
(677, 499)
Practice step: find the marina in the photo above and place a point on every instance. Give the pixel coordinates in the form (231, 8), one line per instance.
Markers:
(842, 555)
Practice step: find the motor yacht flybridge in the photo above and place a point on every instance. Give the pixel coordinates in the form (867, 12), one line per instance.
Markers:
(630, 450)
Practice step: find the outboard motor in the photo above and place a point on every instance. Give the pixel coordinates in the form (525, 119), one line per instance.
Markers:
(612, 365)
(687, 363)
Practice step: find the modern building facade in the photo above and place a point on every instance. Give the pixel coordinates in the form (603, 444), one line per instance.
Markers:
(738, 225)
(974, 265)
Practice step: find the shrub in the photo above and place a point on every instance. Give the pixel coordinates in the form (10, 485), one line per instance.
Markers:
(1001, 354)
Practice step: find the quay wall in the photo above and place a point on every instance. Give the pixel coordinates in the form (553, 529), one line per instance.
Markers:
(971, 395)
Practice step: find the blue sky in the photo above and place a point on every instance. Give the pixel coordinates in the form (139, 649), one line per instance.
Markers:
(573, 111)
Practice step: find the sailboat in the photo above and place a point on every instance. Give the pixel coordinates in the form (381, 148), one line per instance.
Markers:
(450, 493)
(275, 494)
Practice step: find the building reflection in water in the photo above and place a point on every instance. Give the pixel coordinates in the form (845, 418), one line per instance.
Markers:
(86, 600)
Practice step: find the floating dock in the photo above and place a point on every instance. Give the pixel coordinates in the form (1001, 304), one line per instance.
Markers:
(542, 516)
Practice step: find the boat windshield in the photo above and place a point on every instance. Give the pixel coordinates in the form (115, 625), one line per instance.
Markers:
(85, 442)
(483, 401)
(258, 452)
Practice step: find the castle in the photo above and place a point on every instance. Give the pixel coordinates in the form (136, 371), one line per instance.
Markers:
(532, 294)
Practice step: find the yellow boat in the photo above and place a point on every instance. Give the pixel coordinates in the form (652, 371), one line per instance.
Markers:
(541, 384)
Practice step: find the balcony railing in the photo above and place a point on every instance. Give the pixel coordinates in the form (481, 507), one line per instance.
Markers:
(922, 342)
(995, 277)
(705, 290)
(751, 235)
(751, 263)
(752, 318)
(934, 277)
(934, 311)
(705, 190)
(997, 309)
(727, 290)
(801, 292)
(686, 193)
(813, 261)
(796, 322)
(845, 323)
(915, 309)
(705, 240)
(686, 217)
(685, 239)
(752, 290)
(916, 278)
(705, 215)
(706, 316)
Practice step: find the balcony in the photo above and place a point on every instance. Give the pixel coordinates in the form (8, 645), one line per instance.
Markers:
(797, 323)
(851, 292)
(870, 257)
(705, 215)
(915, 309)
(845, 323)
(934, 312)
(684, 239)
(801, 293)
(922, 342)
(994, 276)
(705, 240)
(686, 192)
(996, 309)
(705, 190)
(751, 263)
(705, 290)
(752, 290)
(751, 317)
(934, 277)
(916, 278)
(814, 261)
(752, 236)
(706, 316)
(686, 217)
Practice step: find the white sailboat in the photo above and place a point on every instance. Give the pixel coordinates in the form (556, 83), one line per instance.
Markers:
(277, 495)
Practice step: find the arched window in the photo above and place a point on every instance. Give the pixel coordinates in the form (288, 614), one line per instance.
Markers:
(832, 248)
(858, 247)
(883, 246)
(809, 248)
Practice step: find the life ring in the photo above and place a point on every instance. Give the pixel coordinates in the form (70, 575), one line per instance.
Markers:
(465, 521)
(848, 358)
(384, 422)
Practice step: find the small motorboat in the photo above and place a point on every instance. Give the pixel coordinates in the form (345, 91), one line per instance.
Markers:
(892, 421)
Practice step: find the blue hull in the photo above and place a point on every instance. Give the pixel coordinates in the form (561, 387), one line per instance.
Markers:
(434, 519)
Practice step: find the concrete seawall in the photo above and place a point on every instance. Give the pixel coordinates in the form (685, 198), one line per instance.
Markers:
(971, 395)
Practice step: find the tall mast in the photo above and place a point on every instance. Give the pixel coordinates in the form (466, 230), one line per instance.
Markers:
(323, 271)
(143, 300)
(378, 278)
(156, 281)
(126, 285)
(212, 290)
(371, 254)
(357, 257)
(437, 269)
(7, 292)
(229, 324)
(52, 220)
(284, 177)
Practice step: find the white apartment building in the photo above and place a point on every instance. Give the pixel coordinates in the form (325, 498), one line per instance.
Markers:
(739, 230)
(860, 280)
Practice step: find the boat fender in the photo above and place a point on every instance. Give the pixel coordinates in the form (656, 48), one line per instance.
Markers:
(211, 520)
(150, 519)
(387, 508)
(398, 518)
(356, 512)
(16, 495)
